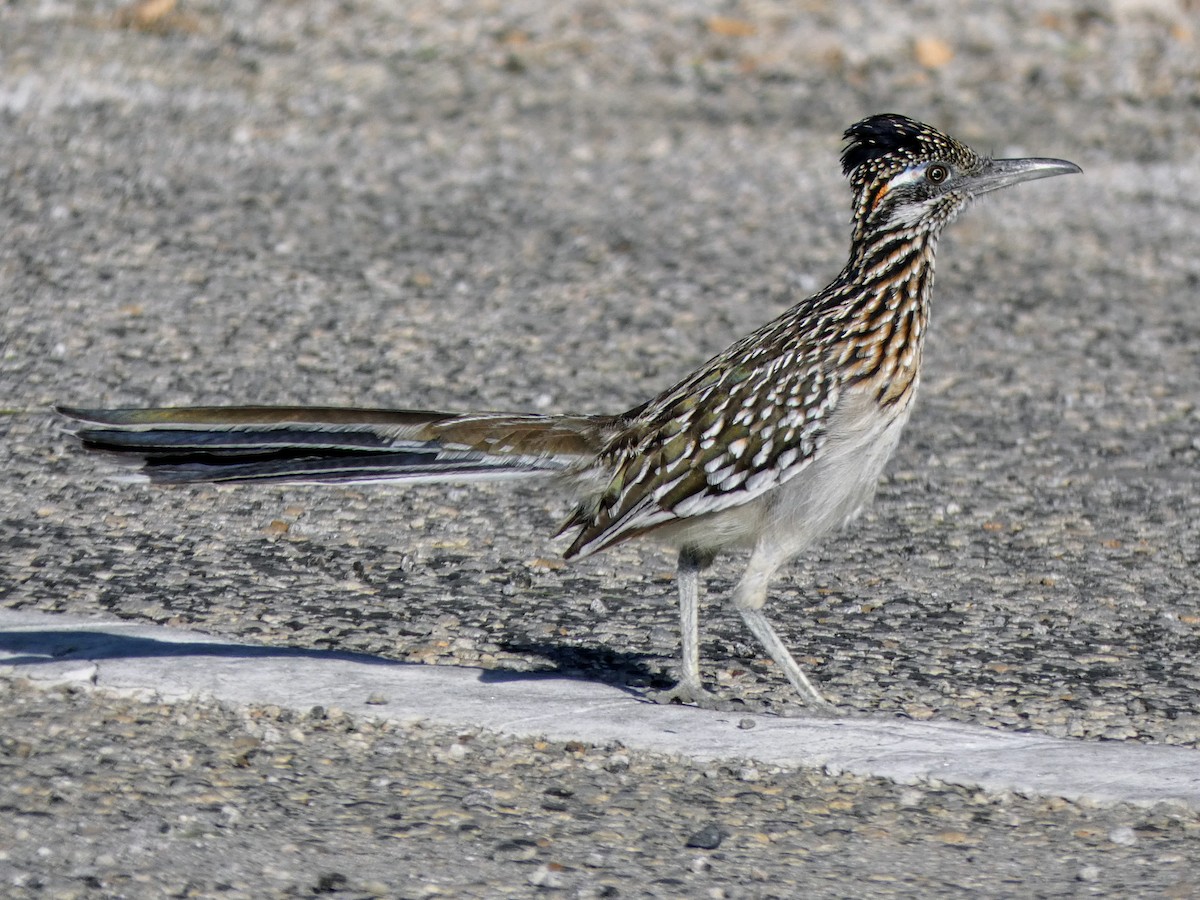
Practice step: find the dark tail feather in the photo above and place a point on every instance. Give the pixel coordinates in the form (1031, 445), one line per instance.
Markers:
(238, 444)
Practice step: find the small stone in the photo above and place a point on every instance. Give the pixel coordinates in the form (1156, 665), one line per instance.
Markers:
(517, 849)
(482, 798)
(911, 797)
(330, 882)
(1123, 836)
(932, 52)
(728, 26)
(548, 875)
(746, 724)
(954, 837)
(1088, 873)
(707, 838)
(618, 762)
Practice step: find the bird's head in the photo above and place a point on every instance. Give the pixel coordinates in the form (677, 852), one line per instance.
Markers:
(909, 177)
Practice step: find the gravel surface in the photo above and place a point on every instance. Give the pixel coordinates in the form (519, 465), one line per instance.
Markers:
(491, 205)
(117, 798)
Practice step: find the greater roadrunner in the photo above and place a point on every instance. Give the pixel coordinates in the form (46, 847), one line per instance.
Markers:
(769, 445)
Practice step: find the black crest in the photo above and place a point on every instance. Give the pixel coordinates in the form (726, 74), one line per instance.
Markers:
(889, 135)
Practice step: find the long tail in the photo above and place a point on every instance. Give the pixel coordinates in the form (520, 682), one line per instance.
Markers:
(237, 444)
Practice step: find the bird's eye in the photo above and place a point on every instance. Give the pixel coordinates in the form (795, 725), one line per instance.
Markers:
(936, 174)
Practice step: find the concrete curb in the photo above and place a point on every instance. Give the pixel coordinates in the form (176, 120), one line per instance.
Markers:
(128, 658)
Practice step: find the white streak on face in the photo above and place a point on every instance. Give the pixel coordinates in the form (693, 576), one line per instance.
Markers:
(907, 214)
(911, 175)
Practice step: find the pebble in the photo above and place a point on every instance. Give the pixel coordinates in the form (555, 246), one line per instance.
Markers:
(1124, 836)
(707, 838)
(547, 875)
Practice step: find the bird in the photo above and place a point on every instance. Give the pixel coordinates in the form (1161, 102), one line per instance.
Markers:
(769, 446)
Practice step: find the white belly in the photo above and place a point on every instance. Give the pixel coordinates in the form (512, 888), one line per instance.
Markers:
(840, 482)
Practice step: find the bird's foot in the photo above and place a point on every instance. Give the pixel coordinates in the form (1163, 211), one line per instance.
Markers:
(695, 694)
(684, 693)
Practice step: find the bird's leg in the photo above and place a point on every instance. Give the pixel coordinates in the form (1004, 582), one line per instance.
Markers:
(689, 689)
(748, 599)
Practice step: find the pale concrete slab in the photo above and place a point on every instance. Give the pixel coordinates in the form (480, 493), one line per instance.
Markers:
(131, 658)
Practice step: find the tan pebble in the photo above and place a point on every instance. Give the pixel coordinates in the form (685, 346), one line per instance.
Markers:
(726, 26)
(932, 52)
(955, 837)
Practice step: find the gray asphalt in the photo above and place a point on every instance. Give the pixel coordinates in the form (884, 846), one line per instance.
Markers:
(505, 208)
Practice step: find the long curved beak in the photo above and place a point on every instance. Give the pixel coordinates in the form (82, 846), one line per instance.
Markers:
(999, 173)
